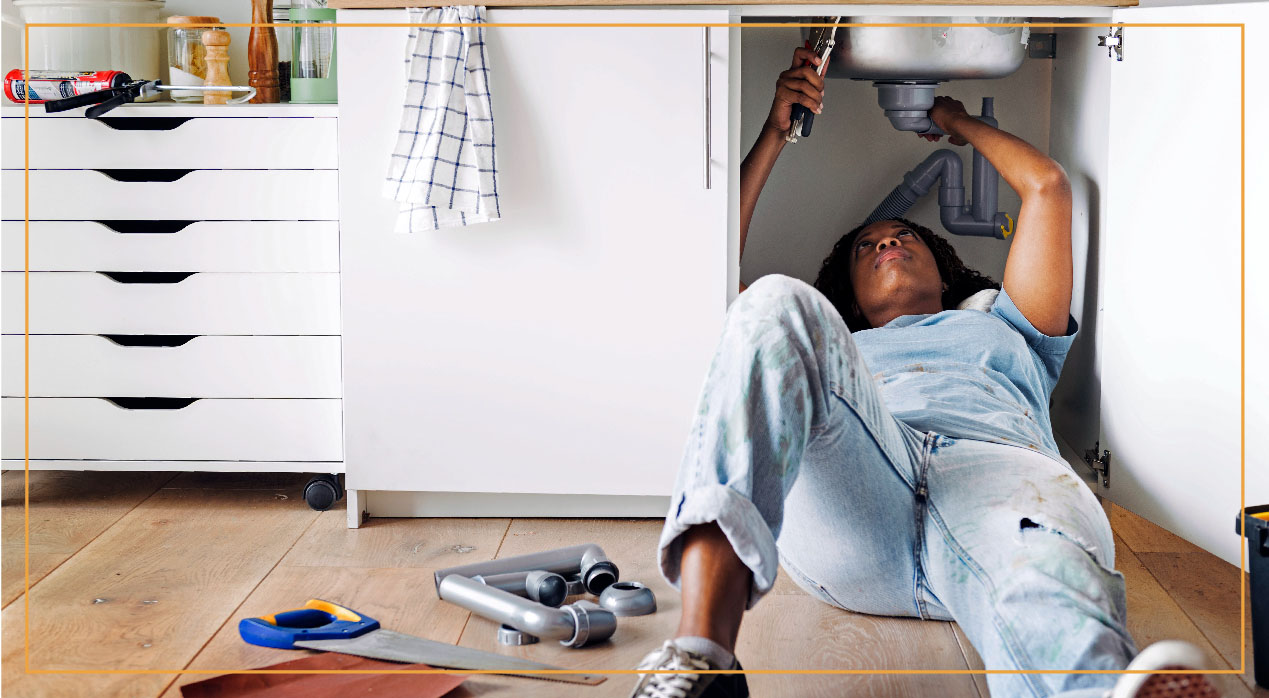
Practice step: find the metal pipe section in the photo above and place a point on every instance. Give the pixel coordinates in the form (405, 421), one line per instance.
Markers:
(547, 588)
(574, 625)
(588, 562)
(907, 105)
(979, 218)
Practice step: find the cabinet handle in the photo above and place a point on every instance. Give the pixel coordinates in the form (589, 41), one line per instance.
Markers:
(131, 226)
(708, 107)
(152, 403)
(148, 277)
(149, 340)
(138, 123)
(145, 175)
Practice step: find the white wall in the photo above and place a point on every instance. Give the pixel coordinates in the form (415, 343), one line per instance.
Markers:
(826, 184)
(1256, 347)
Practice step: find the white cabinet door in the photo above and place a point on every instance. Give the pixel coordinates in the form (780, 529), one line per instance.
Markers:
(1170, 324)
(561, 349)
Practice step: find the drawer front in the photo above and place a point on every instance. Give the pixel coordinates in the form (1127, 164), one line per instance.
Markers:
(61, 195)
(200, 304)
(91, 428)
(148, 142)
(172, 366)
(295, 246)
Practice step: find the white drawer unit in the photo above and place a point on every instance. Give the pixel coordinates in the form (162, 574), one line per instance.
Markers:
(173, 366)
(172, 142)
(178, 194)
(174, 429)
(172, 303)
(177, 268)
(172, 245)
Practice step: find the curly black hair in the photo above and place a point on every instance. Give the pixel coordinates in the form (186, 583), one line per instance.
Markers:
(835, 283)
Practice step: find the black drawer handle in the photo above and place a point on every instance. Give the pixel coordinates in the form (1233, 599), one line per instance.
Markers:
(148, 277)
(145, 175)
(152, 403)
(130, 226)
(149, 340)
(143, 123)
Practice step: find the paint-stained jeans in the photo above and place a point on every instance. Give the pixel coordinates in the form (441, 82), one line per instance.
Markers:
(795, 457)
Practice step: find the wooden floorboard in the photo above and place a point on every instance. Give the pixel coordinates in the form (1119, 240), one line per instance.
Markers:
(149, 592)
(213, 548)
(1208, 590)
(383, 569)
(68, 509)
(800, 632)
(974, 661)
(788, 630)
(1154, 615)
(1141, 536)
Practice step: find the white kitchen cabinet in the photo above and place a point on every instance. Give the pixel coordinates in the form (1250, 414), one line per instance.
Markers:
(559, 350)
(182, 298)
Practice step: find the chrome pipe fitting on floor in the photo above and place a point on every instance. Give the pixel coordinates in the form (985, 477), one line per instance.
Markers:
(547, 588)
(585, 562)
(524, 594)
(574, 625)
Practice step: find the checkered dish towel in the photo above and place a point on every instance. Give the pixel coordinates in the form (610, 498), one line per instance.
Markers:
(443, 169)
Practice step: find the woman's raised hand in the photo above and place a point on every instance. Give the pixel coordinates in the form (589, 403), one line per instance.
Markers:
(944, 114)
(797, 85)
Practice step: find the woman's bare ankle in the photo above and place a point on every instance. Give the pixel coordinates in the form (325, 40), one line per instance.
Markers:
(715, 585)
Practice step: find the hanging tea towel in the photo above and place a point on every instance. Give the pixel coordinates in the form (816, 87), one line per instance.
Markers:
(444, 171)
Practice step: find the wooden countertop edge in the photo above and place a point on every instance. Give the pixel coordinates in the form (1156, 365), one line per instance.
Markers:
(397, 4)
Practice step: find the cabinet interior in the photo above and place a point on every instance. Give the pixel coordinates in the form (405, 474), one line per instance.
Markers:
(827, 183)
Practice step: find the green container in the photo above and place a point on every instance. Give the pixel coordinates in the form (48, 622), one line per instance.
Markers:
(313, 59)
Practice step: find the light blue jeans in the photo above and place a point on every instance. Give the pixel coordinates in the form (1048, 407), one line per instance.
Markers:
(796, 458)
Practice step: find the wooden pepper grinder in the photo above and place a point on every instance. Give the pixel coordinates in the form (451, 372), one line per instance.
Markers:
(216, 42)
(262, 55)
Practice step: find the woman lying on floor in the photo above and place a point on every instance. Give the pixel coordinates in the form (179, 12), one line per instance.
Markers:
(894, 454)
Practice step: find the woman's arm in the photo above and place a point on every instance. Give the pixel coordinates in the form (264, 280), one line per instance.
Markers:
(1038, 270)
(798, 85)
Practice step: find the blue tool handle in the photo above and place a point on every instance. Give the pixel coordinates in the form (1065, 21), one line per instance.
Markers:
(317, 620)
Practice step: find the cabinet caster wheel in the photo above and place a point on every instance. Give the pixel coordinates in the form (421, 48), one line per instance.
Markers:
(323, 491)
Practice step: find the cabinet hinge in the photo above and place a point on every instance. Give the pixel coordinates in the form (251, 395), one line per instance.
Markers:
(1099, 464)
(1114, 43)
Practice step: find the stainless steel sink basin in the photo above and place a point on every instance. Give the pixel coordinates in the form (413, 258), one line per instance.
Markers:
(935, 53)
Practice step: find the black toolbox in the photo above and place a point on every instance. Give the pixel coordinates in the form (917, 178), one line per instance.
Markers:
(1254, 524)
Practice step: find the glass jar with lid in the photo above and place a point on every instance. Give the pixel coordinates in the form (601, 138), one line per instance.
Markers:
(186, 59)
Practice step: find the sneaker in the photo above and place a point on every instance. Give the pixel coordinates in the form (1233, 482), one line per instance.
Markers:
(671, 656)
(1160, 657)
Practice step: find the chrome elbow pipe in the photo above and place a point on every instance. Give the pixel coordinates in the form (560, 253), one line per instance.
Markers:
(574, 625)
(547, 588)
(585, 562)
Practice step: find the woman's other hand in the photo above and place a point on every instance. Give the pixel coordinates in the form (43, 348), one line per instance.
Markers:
(797, 85)
(945, 114)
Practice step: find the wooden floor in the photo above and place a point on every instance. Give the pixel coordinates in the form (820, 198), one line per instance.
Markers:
(152, 571)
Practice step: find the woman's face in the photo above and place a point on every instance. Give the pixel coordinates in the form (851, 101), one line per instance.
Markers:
(894, 273)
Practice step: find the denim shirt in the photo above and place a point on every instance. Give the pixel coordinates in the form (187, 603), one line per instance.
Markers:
(969, 374)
